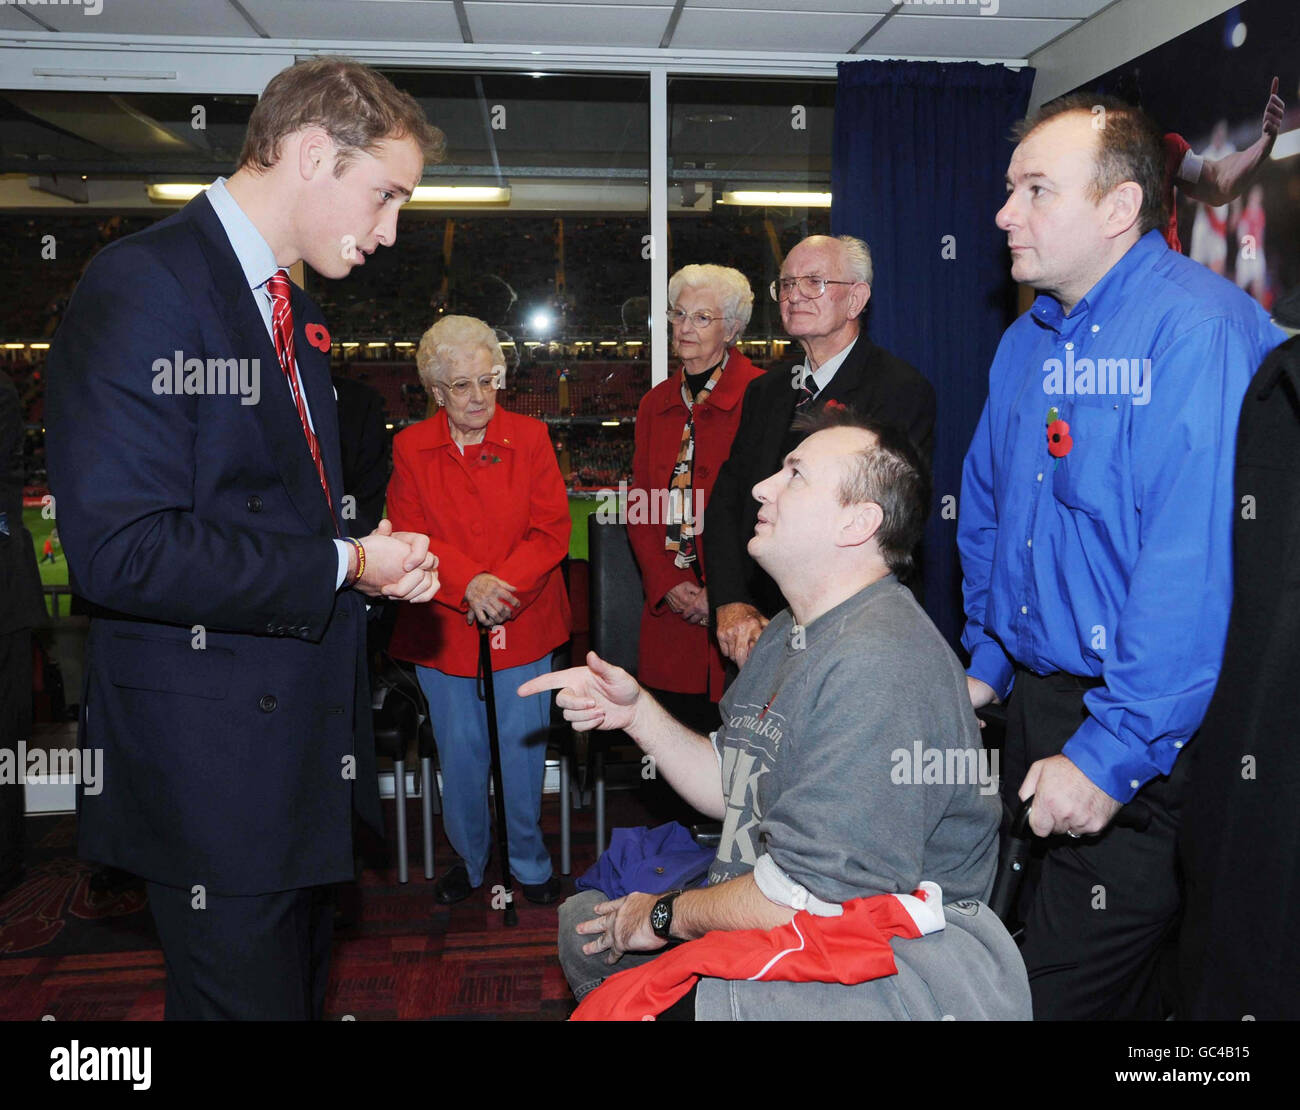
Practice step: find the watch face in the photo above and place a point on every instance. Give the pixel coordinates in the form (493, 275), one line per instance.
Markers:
(659, 916)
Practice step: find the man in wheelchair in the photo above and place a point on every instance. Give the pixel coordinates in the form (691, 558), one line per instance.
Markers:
(830, 775)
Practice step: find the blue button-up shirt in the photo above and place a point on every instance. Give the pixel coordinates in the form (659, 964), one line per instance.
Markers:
(1114, 560)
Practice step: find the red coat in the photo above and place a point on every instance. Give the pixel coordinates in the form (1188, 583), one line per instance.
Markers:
(509, 517)
(675, 655)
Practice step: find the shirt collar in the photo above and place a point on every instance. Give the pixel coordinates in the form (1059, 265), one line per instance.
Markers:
(254, 253)
(823, 374)
(1113, 290)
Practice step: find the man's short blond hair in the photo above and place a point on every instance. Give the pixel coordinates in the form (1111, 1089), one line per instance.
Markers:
(356, 106)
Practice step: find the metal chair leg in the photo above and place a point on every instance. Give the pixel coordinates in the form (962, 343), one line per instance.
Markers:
(399, 802)
(566, 818)
(600, 800)
(428, 788)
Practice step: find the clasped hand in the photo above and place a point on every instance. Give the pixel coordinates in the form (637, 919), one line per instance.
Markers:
(399, 565)
(690, 602)
(491, 600)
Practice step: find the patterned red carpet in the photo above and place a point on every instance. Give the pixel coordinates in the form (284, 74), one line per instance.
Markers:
(74, 955)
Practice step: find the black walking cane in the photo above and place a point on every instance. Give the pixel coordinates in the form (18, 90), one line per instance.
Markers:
(1012, 866)
(494, 744)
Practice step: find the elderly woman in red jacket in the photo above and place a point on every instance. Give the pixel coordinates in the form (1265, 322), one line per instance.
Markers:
(684, 430)
(484, 485)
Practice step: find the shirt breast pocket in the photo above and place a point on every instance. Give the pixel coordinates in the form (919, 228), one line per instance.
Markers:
(1090, 475)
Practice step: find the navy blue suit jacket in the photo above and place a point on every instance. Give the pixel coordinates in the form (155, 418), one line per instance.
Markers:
(234, 754)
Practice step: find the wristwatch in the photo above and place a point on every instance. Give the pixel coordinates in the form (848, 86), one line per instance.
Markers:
(661, 916)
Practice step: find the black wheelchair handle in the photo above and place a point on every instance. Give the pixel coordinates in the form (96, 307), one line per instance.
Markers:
(1136, 815)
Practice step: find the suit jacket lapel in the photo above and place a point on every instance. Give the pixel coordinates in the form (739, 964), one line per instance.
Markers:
(276, 412)
(314, 370)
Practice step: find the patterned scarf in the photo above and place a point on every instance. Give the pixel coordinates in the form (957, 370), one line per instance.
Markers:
(681, 526)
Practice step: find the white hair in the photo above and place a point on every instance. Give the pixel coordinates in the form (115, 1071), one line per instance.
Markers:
(858, 256)
(735, 297)
(449, 341)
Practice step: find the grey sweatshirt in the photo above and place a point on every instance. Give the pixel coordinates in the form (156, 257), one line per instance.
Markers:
(850, 754)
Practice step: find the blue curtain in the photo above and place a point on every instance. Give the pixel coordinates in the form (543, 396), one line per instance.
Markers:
(920, 152)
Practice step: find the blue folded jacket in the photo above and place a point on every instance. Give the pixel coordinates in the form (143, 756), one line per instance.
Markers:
(648, 860)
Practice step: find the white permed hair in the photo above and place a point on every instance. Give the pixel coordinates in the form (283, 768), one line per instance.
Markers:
(735, 297)
(449, 341)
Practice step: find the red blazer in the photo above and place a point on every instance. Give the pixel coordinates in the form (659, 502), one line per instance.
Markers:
(509, 517)
(675, 655)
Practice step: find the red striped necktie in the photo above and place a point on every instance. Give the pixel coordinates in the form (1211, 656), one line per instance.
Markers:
(282, 330)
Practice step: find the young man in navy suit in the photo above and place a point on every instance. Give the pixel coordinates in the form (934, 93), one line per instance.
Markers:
(194, 457)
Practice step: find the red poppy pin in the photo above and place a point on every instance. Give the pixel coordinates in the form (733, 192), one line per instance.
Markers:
(1059, 441)
(835, 406)
(318, 336)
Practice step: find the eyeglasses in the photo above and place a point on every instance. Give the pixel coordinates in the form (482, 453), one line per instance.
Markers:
(461, 387)
(702, 320)
(810, 287)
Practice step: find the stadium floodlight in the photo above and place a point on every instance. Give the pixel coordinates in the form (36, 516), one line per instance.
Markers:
(540, 322)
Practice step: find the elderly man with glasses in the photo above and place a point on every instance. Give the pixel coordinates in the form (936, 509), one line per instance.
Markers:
(823, 291)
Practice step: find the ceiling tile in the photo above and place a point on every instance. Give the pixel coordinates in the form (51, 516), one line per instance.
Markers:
(143, 17)
(802, 32)
(421, 21)
(964, 36)
(541, 24)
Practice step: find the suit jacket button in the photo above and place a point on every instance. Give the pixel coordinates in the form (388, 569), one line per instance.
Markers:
(266, 703)
(254, 504)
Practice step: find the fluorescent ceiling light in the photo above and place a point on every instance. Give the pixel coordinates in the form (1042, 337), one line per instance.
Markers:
(460, 194)
(172, 192)
(775, 198)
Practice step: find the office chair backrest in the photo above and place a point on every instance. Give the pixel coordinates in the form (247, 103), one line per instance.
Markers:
(615, 594)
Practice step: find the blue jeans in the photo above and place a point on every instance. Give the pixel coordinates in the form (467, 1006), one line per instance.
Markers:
(460, 729)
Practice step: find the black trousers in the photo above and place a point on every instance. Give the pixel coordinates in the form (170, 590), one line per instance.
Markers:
(15, 725)
(1098, 910)
(263, 957)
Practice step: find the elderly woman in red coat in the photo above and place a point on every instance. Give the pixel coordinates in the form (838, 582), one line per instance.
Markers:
(484, 485)
(684, 430)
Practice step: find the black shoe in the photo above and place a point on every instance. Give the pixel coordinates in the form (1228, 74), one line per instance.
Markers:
(543, 894)
(453, 886)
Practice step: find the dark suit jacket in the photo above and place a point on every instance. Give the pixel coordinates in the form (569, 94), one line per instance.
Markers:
(234, 765)
(365, 448)
(1240, 831)
(22, 603)
(870, 380)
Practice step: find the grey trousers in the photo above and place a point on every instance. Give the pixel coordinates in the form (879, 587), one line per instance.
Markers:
(585, 973)
(972, 971)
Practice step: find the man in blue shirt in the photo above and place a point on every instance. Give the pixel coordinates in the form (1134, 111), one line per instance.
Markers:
(1095, 536)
